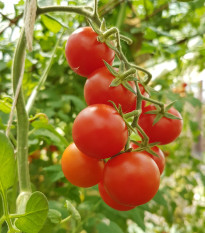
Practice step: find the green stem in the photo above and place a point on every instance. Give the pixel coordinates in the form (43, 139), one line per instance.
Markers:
(66, 219)
(22, 118)
(149, 76)
(43, 78)
(155, 102)
(72, 9)
(95, 13)
(6, 209)
(136, 118)
(128, 73)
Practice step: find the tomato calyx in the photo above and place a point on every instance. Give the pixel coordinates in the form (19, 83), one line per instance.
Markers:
(122, 77)
(144, 146)
(162, 111)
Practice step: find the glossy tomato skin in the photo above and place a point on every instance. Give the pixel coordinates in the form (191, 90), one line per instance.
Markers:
(160, 161)
(79, 169)
(97, 90)
(131, 178)
(99, 131)
(85, 54)
(165, 131)
(111, 202)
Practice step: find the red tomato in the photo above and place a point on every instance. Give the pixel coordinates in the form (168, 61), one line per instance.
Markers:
(166, 130)
(97, 90)
(131, 178)
(99, 131)
(160, 161)
(79, 169)
(110, 202)
(85, 54)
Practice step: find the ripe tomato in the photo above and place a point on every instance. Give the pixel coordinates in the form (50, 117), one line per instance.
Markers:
(85, 54)
(160, 161)
(99, 131)
(97, 90)
(111, 202)
(165, 130)
(79, 169)
(131, 178)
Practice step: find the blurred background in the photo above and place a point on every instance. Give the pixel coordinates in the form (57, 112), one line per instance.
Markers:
(168, 40)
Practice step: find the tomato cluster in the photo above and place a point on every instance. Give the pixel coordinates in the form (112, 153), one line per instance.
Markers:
(126, 178)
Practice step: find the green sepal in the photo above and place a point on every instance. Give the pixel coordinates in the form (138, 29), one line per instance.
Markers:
(112, 47)
(157, 118)
(154, 144)
(103, 25)
(149, 150)
(128, 87)
(152, 112)
(136, 143)
(94, 26)
(170, 105)
(111, 69)
(114, 105)
(116, 82)
(130, 127)
(171, 116)
(120, 110)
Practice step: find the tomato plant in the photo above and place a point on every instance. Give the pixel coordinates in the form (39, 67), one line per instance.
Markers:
(84, 53)
(160, 160)
(79, 169)
(166, 130)
(111, 202)
(131, 178)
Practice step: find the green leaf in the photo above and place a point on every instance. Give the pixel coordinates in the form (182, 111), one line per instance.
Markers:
(7, 163)
(75, 214)
(54, 172)
(159, 198)
(110, 227)
(5, 105)
(45, 129)
(137, 215)
(54, 216)
(35, 214)
(185, 0)
(52, 24)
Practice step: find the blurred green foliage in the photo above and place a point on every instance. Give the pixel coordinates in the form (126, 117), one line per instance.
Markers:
(161, 30)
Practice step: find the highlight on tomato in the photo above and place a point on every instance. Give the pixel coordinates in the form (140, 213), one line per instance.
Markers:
(165, 131)
(160, 160)
(111, 202)
(99, 131)
(79, 169)
(131, 178)
(85, 54)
